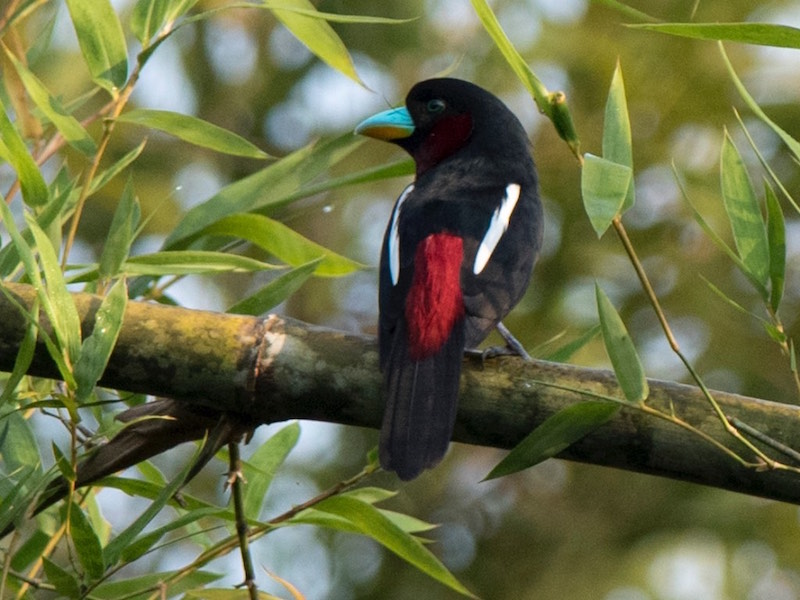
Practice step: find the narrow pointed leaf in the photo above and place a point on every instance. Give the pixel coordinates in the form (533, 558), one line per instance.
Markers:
(787, 139)
(555, 434)
(261, 467)
(64, 582)
(147, 18)
(617, 146)
(275, 291)
(335, 17)
(86, 543)
(619, 346)
(147, 541)
(113, 551)
(188, 262)
(776, 235)
(604, 187)
(73, 132)
(97, 347)
(101, 40)
(762, 34)
(32, 184)
(316, 34)
(120, 234)
(283, 242)
(271, 187)
(744, 214)
(372, 523)
(195, 131)
(116, 168)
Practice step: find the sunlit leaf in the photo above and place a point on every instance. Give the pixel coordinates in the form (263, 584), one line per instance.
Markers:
(763, 34)
(283, 242)
(316, 34)
(195, 131)
(73, 132)
(555, 434)
(619, 346)
(617, 146)
(776, 235)
(369, 521)
(744, 213)
(102, 41)
(334, 17)
(122, 163)
(187, 262)
(604, 187)
(276, 291)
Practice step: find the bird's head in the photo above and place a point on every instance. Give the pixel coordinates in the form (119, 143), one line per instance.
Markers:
(442, 117)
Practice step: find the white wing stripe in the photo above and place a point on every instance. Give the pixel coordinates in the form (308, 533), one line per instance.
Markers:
(394, 236)
(498, 225)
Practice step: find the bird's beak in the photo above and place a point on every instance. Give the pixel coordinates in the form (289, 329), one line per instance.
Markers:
(387, 125)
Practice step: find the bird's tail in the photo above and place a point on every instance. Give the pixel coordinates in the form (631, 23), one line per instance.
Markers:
(421, 402)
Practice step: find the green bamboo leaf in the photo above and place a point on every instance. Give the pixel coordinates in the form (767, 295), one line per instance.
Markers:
(60, 305)
(86, 543)
(261, 467)
(20, 450)
(776, 235)
(147, 541)
(555, 434)
(271, 187)
(147, 18)
(333, 17)
(97, 347)
(143, 586)
(64, 582)
(787, 139)
(195, 131)
(283, 242)
(514, 59)
(32, 184)
(102, 42)
(192, 262)
(371, 522)
(276, 291)
(25, 354)
(567, 351)
(617, 146)
(744, 214)
(619, 346)
(115, 169)
(604, 187)
(120, 234)
(114, 549)
(316, 34)
(73, 132)
(762, 34)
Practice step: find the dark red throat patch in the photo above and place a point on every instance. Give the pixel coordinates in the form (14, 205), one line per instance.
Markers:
(434, 302)
(447, 136)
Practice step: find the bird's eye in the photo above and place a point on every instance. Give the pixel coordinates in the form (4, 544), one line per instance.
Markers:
(436, 105)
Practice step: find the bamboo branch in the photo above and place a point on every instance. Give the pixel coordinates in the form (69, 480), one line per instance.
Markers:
(262, 370)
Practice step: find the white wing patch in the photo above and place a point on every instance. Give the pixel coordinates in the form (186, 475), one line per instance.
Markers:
(394, 236)
(498, 225)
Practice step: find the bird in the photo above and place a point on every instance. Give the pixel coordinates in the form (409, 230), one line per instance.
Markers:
(456, 257)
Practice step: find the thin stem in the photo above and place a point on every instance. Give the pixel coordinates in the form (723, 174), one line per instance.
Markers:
(235, 480)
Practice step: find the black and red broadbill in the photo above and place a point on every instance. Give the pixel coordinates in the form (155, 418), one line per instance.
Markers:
(456, 258)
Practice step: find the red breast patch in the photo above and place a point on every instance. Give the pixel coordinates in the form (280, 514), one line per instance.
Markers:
(434, 302)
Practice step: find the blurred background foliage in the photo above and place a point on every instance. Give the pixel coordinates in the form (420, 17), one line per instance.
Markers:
(559, 530)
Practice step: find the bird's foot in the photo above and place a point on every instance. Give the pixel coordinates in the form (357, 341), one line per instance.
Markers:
(512, 348)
